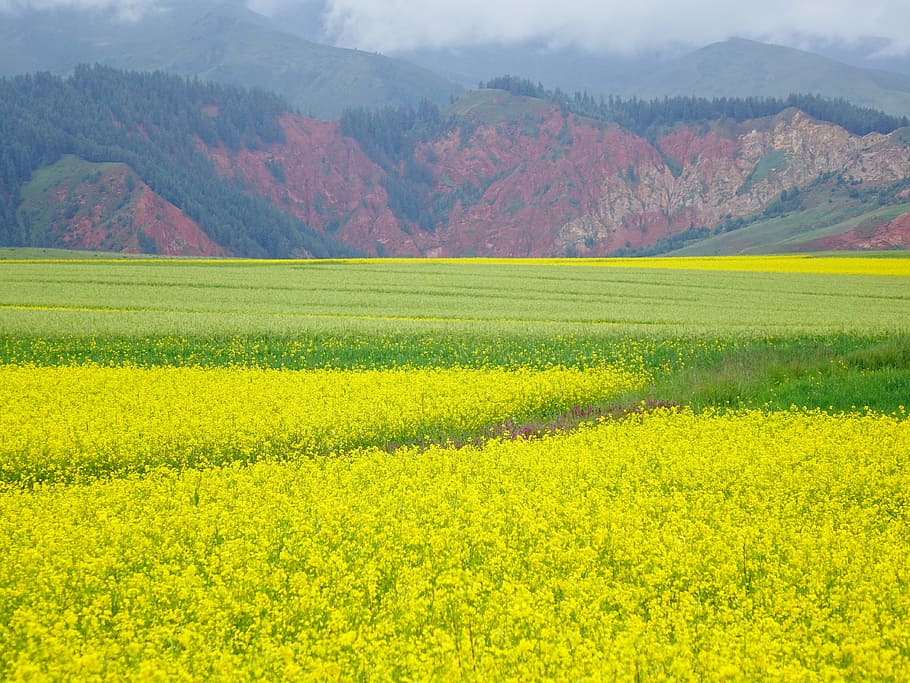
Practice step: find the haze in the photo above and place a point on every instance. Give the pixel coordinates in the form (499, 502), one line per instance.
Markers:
(595, 25)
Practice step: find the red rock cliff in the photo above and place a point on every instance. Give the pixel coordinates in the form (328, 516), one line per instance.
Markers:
(557, 184)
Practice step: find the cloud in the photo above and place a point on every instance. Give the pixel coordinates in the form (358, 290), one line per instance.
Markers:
(610, 25)
(123, 9)
(270, 7)
(601, 25)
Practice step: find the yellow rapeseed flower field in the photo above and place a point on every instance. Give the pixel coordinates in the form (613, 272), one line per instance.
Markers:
(71, 422)
(778, 263)
(668, 546)
(789, 263)
(299, 471)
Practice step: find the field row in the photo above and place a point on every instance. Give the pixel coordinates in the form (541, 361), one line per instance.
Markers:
(67, 423)
(315, 351)
(289, 298)
(844, 263)
(746, 546)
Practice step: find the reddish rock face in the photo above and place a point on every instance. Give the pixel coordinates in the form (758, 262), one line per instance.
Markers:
(115, 211)
(892, 235)
(174, 234)
(532, 182)
(553, 184)
(324, 179)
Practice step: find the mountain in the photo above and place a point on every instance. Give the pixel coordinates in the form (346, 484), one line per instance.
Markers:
(59, 139)
(869, 53)
(743, 68)
(150, 162)
(732, 68)
(222, 42)
(568, 68)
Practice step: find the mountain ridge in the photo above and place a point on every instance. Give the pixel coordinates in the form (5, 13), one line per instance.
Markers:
(493, 175)
(222, 42)
(739, 67)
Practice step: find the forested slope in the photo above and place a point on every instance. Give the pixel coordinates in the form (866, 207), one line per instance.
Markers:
(125, 161)
(159, 126)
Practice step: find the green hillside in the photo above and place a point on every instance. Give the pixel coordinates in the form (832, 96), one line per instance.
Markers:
(789, 233)
(744, 68)
(222, 42)
(40, 215)
(50, 128)
(824, 211)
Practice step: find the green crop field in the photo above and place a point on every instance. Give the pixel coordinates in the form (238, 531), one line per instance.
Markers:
(652, 469)
(716, 336)
(224, 298)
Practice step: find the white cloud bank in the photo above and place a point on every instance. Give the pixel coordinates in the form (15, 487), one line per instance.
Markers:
(126, 9)
(601, 25)
(613, 25)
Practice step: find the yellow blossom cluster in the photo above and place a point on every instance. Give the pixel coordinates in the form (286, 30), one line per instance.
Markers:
(877, 264)
(666, 546)
(71, 422)
(795, 263)
(779, 263)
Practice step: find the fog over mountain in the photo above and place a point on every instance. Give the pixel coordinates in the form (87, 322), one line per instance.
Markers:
(595, 25)
(650, 48)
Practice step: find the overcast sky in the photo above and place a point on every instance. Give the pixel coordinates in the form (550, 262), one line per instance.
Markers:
(603, 25)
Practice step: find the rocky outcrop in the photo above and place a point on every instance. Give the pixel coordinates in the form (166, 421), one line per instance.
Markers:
(894, 234)
(113, 210)
(324, 179)
(707, 177)
(556, 184)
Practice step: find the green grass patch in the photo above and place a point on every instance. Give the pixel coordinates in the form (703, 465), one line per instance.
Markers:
(836, 373)
(498, 106)
(773, 162)
(789, 232)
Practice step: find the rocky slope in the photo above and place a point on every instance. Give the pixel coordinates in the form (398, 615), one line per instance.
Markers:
(551, 183)
(894, 234)
(107, 207)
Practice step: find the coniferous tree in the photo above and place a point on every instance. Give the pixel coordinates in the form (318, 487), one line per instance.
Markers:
(154, 123)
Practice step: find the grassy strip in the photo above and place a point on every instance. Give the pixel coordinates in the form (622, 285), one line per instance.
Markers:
(566, 421)
(354, 351)
(839, 372)
(836, 374)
